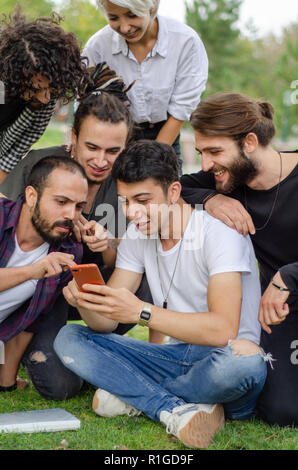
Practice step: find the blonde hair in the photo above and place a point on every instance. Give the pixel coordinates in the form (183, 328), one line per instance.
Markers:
(138, 7)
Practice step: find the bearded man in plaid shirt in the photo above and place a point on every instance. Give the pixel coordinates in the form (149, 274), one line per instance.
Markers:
(36, 249)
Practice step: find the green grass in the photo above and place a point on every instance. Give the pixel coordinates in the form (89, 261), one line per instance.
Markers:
(50, 138)
(138, 433)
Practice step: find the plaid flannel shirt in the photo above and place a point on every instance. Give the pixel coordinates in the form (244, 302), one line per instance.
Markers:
(17, 139)
(47, 289)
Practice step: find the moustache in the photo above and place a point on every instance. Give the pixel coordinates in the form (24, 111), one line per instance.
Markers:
(65, 224)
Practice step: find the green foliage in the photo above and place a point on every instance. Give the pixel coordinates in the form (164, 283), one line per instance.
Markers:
(82, 18)
(32, 8)
(215, 23)
(79, 16)
(262, 68)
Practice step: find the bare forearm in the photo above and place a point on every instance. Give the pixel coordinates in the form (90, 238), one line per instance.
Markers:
(206, 329)
(169, 131)
(97, 322)
(11, 277)
(110, 254)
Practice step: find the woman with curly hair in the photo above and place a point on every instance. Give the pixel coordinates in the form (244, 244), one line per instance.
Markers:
(165, 58)
(40, 63)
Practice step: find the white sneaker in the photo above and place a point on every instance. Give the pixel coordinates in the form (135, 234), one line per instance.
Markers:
(108, 405)
(194, 424)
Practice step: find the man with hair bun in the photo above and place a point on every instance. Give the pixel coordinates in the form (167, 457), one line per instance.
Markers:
(40, 63)
(252, 188)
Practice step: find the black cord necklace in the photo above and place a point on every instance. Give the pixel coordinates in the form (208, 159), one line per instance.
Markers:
(275, 199)
(165, 301)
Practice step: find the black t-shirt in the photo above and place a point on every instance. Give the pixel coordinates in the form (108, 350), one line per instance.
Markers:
(276, 245)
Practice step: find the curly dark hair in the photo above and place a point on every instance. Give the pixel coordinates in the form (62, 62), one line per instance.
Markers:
(40, 46)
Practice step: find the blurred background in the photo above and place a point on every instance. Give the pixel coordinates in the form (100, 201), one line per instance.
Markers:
(252, 47)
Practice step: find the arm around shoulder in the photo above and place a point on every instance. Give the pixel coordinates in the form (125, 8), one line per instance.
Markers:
(289, 274)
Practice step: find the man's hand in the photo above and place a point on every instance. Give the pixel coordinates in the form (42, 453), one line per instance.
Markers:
(53, 264)
(71, 292)
(231, 212)
(119, 305)
(273, 307)
(95, 236)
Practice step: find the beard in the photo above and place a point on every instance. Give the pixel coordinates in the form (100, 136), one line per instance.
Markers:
(242, 170)
(45, 229)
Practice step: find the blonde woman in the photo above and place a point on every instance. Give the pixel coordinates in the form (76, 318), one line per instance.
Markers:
(164, 58)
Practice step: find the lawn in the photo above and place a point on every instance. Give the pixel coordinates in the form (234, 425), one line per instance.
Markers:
(123, 432)
(51, 137)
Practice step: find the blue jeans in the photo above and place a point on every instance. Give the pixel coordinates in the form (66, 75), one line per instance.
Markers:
(153, 377)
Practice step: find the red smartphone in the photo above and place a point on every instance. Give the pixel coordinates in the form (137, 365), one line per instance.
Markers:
(86, 274)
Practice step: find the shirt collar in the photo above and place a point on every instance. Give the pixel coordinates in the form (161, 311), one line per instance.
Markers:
(162, 43)
(161, 47)
(14, 214)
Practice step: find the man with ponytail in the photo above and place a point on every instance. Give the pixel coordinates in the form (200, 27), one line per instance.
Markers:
(252, 187)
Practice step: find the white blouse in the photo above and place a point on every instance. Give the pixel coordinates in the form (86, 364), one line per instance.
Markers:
(171, 78)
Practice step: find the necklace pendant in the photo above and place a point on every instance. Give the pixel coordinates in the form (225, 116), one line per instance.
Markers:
(165, 304)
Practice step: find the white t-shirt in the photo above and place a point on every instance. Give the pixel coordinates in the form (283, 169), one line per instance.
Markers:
(170, 80)
(209, 247)
(11, 299)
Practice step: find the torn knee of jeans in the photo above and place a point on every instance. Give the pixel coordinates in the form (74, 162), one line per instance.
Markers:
(38, 356)
(244, 347)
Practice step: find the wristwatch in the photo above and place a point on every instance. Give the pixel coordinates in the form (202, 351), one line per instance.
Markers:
(145, 315)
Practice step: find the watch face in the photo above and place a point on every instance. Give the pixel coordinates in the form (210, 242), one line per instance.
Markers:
(145, 315)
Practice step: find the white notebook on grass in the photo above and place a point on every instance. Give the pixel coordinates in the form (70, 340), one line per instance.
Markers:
(55, 419)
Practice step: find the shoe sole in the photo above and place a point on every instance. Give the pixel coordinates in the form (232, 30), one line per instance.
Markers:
(95, 406)
(202, 427)
(95, 403)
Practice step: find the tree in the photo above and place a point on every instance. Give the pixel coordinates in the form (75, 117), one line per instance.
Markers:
(214, 21)
(287, 79)
(263, 68)
(82, 18)
(31, 8)
(79, 16)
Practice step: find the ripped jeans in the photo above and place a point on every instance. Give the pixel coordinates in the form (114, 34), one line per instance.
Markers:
(154, 378)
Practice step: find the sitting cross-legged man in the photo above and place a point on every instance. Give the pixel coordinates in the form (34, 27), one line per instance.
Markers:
(205, 288)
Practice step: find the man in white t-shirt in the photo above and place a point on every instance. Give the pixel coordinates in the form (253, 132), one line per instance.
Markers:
(36, 245)
(206, 293)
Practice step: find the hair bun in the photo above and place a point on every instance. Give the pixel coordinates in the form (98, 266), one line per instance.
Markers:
(267, 109)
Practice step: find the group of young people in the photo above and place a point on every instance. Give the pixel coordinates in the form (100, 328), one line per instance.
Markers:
(186, 263)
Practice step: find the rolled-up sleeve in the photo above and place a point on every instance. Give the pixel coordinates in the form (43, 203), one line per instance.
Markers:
(191, 78)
